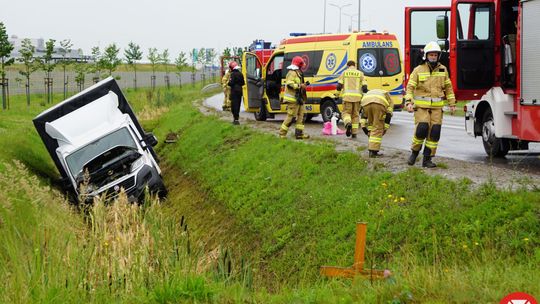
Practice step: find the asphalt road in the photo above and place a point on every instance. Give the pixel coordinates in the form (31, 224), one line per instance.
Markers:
(455, 143)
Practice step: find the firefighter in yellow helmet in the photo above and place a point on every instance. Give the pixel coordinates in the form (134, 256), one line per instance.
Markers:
(378, 107)
(353, 83)
(428, 88)
(294, 97)
(226, 90)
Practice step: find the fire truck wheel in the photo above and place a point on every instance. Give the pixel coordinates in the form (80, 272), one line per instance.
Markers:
(494, 146)
(328, 108)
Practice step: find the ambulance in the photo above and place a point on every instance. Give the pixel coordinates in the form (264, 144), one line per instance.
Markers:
(377, 55)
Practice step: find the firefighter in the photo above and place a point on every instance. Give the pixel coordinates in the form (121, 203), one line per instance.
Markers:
(294, 97)
(236, 82)
(429, 86)
(226, 90)
(378, 107)
(353, 83)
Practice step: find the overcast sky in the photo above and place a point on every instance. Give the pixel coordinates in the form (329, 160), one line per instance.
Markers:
(180, 25)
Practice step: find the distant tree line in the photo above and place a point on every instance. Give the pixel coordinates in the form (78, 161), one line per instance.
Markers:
(102, 63)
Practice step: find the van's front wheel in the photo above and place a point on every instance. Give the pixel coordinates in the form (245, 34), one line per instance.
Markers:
(328, 108)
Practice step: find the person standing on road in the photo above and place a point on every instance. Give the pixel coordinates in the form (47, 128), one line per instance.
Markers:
(294, 97)
(353, 83)
(236, 82)
(428, 87)
(378, 108)
(226, 90)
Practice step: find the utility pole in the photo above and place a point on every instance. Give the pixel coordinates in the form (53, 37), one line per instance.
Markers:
(359, 15)
(324, 19)
(340, 7)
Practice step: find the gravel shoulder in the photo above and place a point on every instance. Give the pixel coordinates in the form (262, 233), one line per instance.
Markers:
(394, 160)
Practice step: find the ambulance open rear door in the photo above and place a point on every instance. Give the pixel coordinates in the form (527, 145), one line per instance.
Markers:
(253, 90)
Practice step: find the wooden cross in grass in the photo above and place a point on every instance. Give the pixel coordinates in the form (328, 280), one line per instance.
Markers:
(358, 267)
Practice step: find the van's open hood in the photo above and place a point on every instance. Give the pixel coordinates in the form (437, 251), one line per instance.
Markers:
(92, 109)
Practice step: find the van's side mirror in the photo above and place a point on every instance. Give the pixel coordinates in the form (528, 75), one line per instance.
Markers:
(150, 139)
(442, 27)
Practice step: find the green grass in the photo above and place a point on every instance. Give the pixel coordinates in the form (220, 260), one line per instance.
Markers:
(264, 214)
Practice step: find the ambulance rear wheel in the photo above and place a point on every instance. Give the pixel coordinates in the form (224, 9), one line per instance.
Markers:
(328, 108)
(261, 114)
(494, 146)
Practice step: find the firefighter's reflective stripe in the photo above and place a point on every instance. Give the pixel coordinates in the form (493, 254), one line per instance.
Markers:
(431, 144)
(417, 141)
(413, 83)
(289, 97)
(428, 101)
(352, 93)
(375, 139)
(386, 126)
(355, 126)
(299, 127)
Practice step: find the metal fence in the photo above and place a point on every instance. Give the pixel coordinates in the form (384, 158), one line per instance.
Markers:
(17, 84)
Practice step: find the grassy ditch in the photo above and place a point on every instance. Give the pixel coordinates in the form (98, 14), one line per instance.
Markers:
(299, 203)
(250, 218)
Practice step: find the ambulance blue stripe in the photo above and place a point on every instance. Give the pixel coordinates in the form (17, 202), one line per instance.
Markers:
(332, 77)
(342, 65)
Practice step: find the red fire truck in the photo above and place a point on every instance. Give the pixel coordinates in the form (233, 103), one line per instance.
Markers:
(263, 50)
(491, 49)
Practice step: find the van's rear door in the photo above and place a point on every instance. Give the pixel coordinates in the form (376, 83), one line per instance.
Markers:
(420, 28)
(253, 90)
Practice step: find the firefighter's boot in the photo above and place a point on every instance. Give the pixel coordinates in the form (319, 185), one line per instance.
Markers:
(412, 158)
(427, 163)
(374, 154)
(300, 134)
(348, 132)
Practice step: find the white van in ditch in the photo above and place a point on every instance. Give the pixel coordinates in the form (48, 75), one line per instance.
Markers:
(96, 140)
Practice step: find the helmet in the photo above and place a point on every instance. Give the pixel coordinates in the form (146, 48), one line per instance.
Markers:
(430, 48)
(298, 61)
(232, 65)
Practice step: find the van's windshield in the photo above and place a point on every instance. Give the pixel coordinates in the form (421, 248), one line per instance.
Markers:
(379, 61)
(120, 138)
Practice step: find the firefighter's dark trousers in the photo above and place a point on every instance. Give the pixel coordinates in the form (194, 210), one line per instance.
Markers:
(351, 115)
(376, 114)
(294, 111)
(236, 99)
(428, 130)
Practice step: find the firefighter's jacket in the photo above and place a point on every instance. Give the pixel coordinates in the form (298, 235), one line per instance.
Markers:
(380, 97)
(430, 88)
(293, 92)
(225, 79)
(351, 82)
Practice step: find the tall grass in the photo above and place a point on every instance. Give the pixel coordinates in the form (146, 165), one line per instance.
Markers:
(250, 218)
